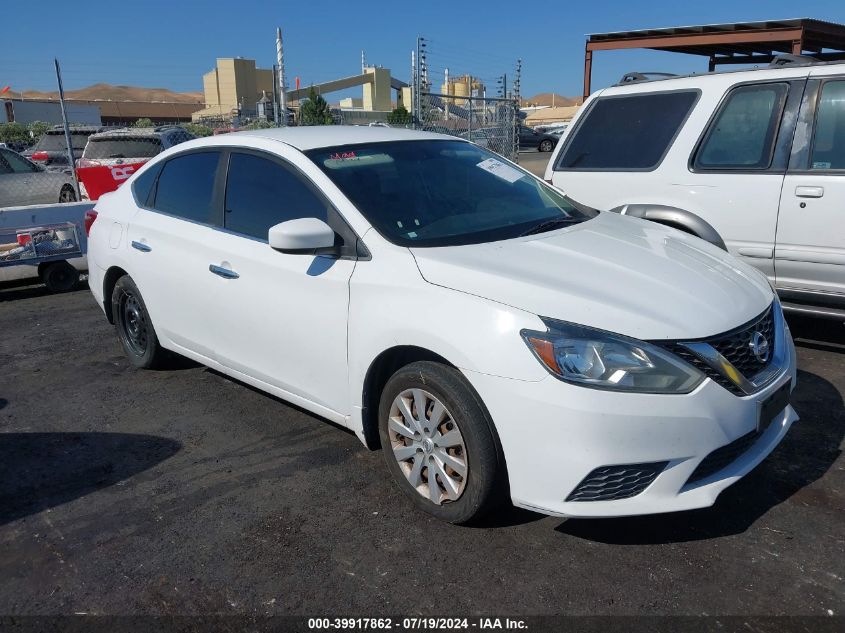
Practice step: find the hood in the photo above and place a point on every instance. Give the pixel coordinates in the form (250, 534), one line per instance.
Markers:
(625, 275)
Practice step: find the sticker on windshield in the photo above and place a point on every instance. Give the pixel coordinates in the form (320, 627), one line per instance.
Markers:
(500, 169)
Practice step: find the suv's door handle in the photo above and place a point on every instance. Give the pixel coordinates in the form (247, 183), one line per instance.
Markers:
(809, 192)
(223, 272)
(144, 248)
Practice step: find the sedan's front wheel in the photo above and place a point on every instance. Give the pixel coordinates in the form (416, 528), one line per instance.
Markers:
(439, 442)
(546, 146)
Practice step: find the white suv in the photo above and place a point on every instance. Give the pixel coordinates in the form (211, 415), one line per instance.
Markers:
(489, 334)
(754, 157)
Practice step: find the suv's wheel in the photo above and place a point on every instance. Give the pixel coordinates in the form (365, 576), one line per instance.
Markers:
(67, 194)
(59, 277)
(546, 146)
(134, 327)
(439, 443)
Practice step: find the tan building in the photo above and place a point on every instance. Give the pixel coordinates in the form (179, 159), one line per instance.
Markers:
(546, 116)
(234, 84)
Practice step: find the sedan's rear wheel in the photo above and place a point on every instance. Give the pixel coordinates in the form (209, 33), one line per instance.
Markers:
(439, 442)
(134, 328)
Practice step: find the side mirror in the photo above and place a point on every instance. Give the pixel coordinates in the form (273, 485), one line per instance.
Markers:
(302, 236)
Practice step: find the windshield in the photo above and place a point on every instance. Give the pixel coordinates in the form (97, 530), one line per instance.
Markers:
(122, 147)
(53, 141)
(443, 193)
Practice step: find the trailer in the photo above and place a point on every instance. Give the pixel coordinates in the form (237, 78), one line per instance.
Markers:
(47, 242)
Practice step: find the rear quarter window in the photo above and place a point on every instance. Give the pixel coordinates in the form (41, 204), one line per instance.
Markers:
(629, 132)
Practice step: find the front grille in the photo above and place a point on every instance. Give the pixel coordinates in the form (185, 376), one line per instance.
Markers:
(723, 457)
(616, 482)
(735, 346)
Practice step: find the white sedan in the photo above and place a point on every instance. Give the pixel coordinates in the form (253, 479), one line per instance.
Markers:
(494, 338)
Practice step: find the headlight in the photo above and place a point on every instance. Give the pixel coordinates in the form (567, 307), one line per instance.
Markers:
(595, 358)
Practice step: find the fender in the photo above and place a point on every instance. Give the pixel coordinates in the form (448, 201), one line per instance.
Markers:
(680, 219)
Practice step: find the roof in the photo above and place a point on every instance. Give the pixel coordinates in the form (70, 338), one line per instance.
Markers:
(741, 40)
(312, 137)
(135, 132)
(558, 113)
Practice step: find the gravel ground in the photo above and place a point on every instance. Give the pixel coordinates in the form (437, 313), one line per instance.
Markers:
(184, 492)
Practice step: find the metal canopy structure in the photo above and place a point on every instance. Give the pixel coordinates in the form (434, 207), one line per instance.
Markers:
(738, 43)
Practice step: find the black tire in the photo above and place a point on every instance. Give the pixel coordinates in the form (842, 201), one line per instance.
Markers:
(134, 328)
(484, 488)
(67, 194)
(546, 146)
(59, 277)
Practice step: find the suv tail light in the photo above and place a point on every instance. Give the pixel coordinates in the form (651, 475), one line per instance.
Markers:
(40, 156)
(90, 216)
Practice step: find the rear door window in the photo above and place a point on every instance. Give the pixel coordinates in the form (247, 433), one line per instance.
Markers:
(743, 134)
(829, 138)
(185, 187)
(261, 193)
(631, 132)
(18, 164)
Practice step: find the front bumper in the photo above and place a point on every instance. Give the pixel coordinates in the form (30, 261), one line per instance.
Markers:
(555, 434)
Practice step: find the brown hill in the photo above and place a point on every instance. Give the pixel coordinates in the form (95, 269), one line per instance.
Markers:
(550, 99)
(107, 92)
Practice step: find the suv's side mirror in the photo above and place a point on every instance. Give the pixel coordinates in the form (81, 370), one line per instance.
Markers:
(302, 236)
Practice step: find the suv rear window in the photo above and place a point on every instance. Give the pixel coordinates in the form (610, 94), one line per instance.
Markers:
(742, 136)
(53, 141)
(123, 147)
(627, 132)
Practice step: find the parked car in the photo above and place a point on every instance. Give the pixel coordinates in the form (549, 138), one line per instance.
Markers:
(755, 158)
(51, 149)
(530, 138)
(495, 338)
(111, 157)
(22, 182)
(496, 139)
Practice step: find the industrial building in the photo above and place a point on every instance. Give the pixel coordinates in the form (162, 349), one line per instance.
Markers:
(235, 86)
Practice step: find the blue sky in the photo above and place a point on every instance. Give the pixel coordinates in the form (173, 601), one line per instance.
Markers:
(171, 44)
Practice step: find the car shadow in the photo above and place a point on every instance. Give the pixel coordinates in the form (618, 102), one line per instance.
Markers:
(826, 335)
(15, 291)
(43, 470)
(806, 453)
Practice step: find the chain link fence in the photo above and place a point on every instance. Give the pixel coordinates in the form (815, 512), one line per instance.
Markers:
(489, 122)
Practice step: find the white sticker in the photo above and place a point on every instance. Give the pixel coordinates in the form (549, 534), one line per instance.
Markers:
(500, 169)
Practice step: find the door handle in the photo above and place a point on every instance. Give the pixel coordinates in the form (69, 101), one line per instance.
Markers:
(809, 192)
(140, 246)
(223, 272)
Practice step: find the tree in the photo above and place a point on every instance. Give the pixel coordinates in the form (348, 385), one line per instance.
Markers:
(145, 122)
(14, 133)
(315, 111)
(197, 129)
(400, 116)
(36, 130)
(258, 125)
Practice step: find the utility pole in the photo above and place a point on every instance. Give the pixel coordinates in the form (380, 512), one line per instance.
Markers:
(363, 63)
(283, 98)
(70, 159)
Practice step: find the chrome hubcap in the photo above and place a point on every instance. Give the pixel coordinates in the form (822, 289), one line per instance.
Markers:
(428, 446)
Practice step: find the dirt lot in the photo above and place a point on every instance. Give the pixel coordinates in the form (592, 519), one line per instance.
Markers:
(182, 491)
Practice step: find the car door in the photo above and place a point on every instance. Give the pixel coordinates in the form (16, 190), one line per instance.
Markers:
(281, 318)
(18, 185)
(168, 249)
(528, 138)
(810, 250)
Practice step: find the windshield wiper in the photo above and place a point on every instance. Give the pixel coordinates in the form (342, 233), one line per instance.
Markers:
(549, 225)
